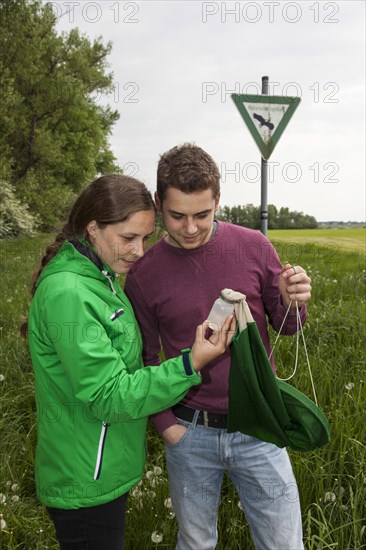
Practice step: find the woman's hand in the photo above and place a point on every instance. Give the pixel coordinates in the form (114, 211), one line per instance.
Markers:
(204, 349)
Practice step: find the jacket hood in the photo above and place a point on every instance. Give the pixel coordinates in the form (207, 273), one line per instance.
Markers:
(77, 257)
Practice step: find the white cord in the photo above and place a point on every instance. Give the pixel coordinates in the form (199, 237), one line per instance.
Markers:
(299, 329)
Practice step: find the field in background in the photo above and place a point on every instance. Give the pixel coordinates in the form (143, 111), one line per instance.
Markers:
(339, 239)
(332, 480)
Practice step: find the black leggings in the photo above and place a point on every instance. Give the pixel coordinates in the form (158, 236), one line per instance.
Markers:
(93, 528)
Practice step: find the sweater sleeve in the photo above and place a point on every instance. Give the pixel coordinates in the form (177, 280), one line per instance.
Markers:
(151, 342)
(147, 321)
(94, 367)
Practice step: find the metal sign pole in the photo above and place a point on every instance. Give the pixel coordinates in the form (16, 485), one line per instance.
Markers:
(264, 176)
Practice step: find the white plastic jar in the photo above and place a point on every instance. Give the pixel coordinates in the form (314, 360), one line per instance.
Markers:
(219, 312)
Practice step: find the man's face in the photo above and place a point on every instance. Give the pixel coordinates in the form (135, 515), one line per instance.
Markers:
(188, 217)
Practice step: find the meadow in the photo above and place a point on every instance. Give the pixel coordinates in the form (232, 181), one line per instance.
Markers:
(332, 480)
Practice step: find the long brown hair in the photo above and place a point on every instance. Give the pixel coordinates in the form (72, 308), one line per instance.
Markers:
(107, 200)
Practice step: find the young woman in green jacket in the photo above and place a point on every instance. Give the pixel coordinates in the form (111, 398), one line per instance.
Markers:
(93, 395)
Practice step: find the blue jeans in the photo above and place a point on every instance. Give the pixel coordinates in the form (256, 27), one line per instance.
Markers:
(261, 473)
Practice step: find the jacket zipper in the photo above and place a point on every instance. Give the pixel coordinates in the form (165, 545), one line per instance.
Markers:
(106, 274)
(102, 438)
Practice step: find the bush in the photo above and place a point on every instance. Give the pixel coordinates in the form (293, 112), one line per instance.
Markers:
(15, 219)
(48, 199)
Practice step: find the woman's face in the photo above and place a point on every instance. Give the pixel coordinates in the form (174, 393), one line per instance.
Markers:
(120, 245)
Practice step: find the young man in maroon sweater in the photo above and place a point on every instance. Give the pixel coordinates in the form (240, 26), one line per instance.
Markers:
(173, 288)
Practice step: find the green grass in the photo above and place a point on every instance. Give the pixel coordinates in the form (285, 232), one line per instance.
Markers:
(331, 480)
(335, 240)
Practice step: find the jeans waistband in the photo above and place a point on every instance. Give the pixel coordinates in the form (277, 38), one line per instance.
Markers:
(204, 418)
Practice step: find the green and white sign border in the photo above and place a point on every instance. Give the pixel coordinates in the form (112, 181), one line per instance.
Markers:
(292, 102)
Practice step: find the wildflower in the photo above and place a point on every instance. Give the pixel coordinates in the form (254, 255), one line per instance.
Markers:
(157, 470)
(2, 523)
(14, 487)
(156, 537)
(329, 497)
(349, 386)
(2, 498)
(136, 492)
(15, 498)
(168, 503)
(2, 378)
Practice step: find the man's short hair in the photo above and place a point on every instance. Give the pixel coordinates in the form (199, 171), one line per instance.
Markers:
(187, 168)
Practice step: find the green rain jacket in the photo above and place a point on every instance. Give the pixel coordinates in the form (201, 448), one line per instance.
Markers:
(93, 395)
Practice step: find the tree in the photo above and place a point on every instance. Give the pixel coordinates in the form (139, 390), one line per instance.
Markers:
(249, 216)
(53, 131)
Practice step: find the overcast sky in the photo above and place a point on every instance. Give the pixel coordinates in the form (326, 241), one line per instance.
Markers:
(175, 64)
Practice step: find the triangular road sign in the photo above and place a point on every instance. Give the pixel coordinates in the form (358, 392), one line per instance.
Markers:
(266, 117)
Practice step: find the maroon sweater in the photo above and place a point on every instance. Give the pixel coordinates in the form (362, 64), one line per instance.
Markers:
(172, 291)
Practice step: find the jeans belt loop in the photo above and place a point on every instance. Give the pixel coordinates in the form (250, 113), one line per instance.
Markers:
(195, 418)
(205, 419)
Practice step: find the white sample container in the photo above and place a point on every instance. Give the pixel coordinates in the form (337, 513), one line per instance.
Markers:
(219, 312)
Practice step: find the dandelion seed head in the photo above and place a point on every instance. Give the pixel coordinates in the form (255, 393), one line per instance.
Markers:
(2, 378)
(2, 523)
(157, 470)
(2, 498)
(168, 503)
(329, 497)
(349, 386)
(156, 537)
(14, 487)
(15, 498)
(240, 505)
(149, 474)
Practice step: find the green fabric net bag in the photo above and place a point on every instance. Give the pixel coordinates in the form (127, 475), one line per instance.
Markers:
(262, 405)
